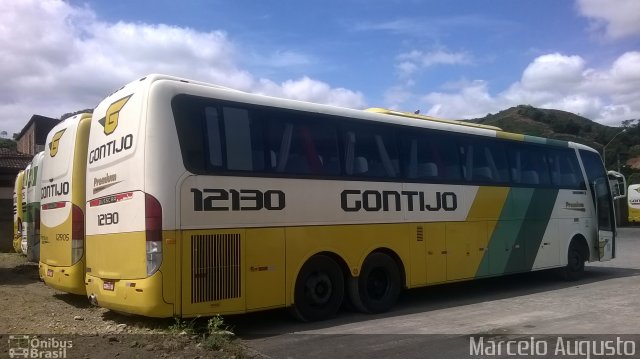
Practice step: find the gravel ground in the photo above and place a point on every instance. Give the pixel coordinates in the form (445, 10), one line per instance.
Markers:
(29, 307)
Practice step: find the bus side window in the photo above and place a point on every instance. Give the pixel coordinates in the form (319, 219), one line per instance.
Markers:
(370, 151)
(496, 155)
(429, 156)
(243, 136)
(484, 161)
(565, 170)
(302, 147)
(570, 173)
(446, 156)
(349, 152)
(189, 114)
(212, 124)
(528, 165)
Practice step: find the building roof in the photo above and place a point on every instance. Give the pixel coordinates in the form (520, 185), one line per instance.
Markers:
(43, 126)
(12, 161)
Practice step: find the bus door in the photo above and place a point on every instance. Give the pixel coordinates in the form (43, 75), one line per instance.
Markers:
(603, 204)
(606, 220)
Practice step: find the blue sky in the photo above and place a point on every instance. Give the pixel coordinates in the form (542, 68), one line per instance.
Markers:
(455, 59)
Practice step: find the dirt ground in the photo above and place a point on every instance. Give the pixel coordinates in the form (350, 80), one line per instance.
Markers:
(29, 307)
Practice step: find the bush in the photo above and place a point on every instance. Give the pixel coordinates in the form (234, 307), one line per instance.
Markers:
(218, 335)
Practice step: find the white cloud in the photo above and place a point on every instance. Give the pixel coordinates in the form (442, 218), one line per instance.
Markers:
(619, 18)
(471, 101)
(307, 89)
(410, 62)
(553, 70)
(558, 81)
(57, 58)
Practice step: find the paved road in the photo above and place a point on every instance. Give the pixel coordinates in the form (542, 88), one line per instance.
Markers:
(437, 322)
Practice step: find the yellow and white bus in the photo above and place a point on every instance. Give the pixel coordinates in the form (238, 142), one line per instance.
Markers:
(62, 205)
(205, 200)
(633, 200)
(17, 212)
(31, 237)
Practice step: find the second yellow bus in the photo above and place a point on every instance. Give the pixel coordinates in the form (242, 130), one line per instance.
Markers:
(62, 193)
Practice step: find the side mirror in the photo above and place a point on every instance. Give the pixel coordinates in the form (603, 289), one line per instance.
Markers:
(618, 184)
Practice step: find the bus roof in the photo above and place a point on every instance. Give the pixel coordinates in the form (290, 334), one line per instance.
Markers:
(382, 115)
(429, 118)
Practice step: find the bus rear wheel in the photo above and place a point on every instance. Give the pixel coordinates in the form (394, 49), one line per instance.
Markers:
(377, 288)
(319, 289)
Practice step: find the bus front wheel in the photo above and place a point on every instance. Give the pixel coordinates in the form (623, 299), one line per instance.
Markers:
(319, 289)
(377, 288)
(574, 269)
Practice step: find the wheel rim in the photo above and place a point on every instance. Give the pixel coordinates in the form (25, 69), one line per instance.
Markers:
(377, 283)
(318, 288)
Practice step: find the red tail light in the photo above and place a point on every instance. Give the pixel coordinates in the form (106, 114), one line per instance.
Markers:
(153, 230)
(77, 233)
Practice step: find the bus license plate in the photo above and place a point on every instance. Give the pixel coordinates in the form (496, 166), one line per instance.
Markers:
(108, 285)
(49, 272)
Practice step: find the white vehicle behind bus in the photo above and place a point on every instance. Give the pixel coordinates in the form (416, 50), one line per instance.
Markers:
(17, 212)
(633, 201)
(25, 213)
(32, 245)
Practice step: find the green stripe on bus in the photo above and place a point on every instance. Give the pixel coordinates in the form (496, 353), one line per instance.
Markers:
(558, 143)
(535, 139)
(29, 212)
(502, 242)
(545, 141)
(514, 245)
(532, 230)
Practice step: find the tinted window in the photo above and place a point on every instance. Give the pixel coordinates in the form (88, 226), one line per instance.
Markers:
(429, 155)
(370, 151)
(528, 165)
(564, 169)
(484, 160)
(213, 123)
(189, 114)
(216, 136)
(297, 145)
(599, 184)
(243, 138)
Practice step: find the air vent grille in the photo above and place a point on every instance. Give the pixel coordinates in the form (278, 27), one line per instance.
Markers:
(215, 267)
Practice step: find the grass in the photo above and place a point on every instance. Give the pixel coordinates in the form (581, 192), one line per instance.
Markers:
(181, 326)
(215, 335)
(218, 335)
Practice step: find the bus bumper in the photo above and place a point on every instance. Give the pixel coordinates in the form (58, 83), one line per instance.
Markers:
(133, 296)
(66, 279)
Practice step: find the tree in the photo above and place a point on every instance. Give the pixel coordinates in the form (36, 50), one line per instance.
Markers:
(71, 114)
(8, 143)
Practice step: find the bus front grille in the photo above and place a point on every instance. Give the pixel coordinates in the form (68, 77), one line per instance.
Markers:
(215, 267)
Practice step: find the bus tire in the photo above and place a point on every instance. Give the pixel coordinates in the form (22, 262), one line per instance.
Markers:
(319, 289)
(378, 286)
(574, 269)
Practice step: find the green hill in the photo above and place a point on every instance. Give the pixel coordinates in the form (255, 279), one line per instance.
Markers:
(567, 126)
